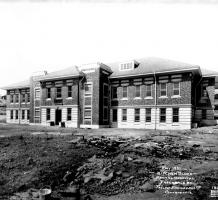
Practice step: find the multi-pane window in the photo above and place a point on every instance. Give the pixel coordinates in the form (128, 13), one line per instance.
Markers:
(204, 114)
(88, 104)
(28, 97)
(23, 114)
(16, 98)
(162, 115)
(37, 93)
(163, 89)
(137, 115)
(12, 113)
(148, 114)
(69, 91)
(105, 102)
(175, 114)
(126, 66)
(16, 114)
(114, 115)
(148, 90)
(114, 92)
(204, 91)
(176, 88)
(48, 93)
(69, 114)
(137, 91)
(124, 115)
(58, 92)
(48, 114)
(87, 115)
(125, 93)
(28, 114)
(23, 98)
(11, 98)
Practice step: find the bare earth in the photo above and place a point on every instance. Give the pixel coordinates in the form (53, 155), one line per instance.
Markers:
(105, 163)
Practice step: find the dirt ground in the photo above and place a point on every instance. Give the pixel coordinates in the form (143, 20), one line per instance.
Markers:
(107, 163)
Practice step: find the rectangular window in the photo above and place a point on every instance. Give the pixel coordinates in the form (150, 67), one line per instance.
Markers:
(176, 88)
(114, 115)
(37, 112)
(175, 115)
(88, 88)
(23, 114)
(148, 90)
(48, 93)
(163, 89)
(162, 115)
(137, 115)
(11, 98)
(88, 104)
(23, 98)
(28, 97)
(17, 98)
(69, 92)
(69, 114)
(124, 115)
(58, 92)
(105, 90)
(204, 91)
(125, 91)
(137, 91)
(126, 66)
(114, 92)
(204, 114)
(16, 114)
(87, 116)
(37, 93)
(28, 114)
(48, 114)
(12, 113)
(148, 114)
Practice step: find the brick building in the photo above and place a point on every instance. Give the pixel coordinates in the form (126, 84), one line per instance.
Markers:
(150, 93)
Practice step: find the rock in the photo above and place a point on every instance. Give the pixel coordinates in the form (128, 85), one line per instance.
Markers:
(66, 176)
(146, 145)
(206, 149)
(147, 187)
(125, 174)
(129, 158)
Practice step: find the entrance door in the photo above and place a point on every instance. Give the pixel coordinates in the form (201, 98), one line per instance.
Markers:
(57, 116)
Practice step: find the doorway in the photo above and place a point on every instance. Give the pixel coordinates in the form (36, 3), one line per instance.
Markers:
(58, 116)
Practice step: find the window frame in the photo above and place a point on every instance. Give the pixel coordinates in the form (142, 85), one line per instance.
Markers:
(16, 98)
(162, 115)
(137, 115)
(112, 91)
(163, 90)
(125, 92)
(16, 114)
(69, 91)
(11, 98)
(175, 115)
(137, 86)
(48, 114)
(114, 111)
(146, 90)
(37, 93)
(124, 115)
(12, 114)
(69, 114)
(28, 114)
(148, 115)
(204, 115)
(48, 93)
(176, 89)
(58, 93)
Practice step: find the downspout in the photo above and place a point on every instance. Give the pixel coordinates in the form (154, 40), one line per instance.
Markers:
(155, 103)
(19, 114)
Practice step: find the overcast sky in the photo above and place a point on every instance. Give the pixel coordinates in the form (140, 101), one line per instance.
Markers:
(52, 36)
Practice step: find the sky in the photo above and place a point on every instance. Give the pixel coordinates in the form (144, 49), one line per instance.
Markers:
(55, 35)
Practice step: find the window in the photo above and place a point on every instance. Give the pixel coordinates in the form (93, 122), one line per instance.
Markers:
(124, 115)
(12, 113)
(148, 114)
(114, 93)
(137, 91)
(204, 114)
(88, 104)
(69, 93)
(137, 115)
(48, 93)
(58, 92)
(16, 114)
(37, 113)
(204, 91)
(69, 114)
(48, 116)
(163, 89)
(175, 115)
(87, 115)
(23, 98)
(176, 88)
(125, 92)
(23, 114)
(148, 90)
(114, 119)
(11, 98)
(88, 88)
(28, 97)
(162, 115)
(105, 113)
(37, 93)
(126, 66)
(17, 98)
(105, 102)
(28, 114)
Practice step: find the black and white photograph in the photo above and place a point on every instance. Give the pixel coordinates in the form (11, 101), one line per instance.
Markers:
(108, 100)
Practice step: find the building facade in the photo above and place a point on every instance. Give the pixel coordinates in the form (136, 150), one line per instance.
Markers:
(149, 93)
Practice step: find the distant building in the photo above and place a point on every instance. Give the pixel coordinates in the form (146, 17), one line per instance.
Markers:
(150, 93)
